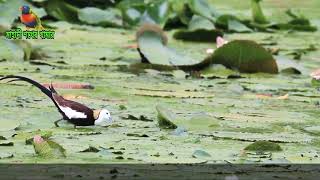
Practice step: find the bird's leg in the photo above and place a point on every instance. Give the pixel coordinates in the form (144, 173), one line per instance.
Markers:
(74, 126)
(56, 122)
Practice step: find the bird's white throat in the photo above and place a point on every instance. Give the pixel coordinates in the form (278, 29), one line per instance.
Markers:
(103, 118)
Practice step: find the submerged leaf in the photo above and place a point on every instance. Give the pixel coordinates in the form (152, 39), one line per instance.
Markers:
(246, 56)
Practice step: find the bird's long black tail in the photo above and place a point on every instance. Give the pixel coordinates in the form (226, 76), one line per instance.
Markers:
(38, 85)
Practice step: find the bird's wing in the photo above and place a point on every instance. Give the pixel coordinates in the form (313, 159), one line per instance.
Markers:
(37, 19)
(72, 109)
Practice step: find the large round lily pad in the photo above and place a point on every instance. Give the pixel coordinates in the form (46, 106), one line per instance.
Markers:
(246, 56)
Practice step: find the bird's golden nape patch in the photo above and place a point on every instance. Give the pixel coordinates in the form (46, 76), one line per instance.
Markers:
(96, 114)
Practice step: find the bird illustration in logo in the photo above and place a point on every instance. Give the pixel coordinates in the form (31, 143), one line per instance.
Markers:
(29, 18)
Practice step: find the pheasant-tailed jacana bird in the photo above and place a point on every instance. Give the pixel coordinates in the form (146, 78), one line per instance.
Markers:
(29, 18)
(74, 112)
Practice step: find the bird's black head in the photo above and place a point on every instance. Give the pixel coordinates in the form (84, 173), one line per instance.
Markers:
(25, 9)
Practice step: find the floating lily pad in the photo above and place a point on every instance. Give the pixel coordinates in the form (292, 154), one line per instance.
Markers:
(288, 66)
(182, 9)
(6, 155)
(156, 12)
(263, 146)
(166, 118)
(153, 49)
(199, 123)
(202, 8)
(91, 149)
(27, 48)
(231, 23)
(8, 125)
(272, 137)
(174, 94)
(132, 11)
(246, 56)
(61, 10)
(315, 130)
(237, 26)
(200, 29)
(95, 16)
(10, 51)
(298, 22)
(152, 44)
